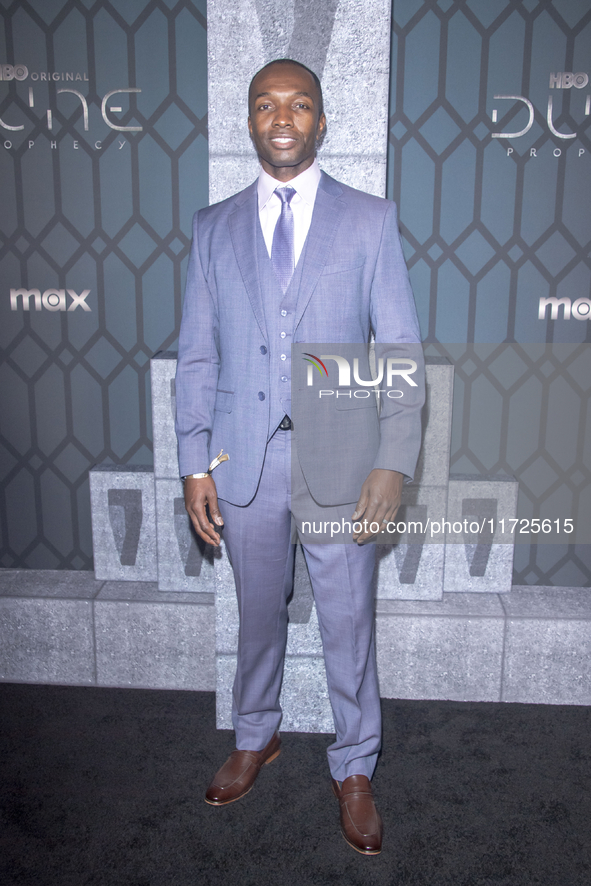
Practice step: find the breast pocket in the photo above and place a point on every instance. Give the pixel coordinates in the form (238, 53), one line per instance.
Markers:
(343, 267)
(224, 400)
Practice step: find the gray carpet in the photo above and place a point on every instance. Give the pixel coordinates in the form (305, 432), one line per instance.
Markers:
(104, 786)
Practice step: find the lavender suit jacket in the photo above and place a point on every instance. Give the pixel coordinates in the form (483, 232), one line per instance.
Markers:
(354, 282)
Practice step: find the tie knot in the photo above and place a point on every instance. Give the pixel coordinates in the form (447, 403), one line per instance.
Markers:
(285, 194)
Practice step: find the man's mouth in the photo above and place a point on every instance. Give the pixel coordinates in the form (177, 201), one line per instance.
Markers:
(283, 141)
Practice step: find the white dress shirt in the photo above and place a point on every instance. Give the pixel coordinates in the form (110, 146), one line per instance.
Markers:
(302, 205)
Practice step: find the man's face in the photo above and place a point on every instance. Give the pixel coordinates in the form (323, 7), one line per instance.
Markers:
(285, 120)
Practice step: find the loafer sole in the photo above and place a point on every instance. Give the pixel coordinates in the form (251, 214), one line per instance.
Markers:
(227, 802)
(357, 849)
(244, 793)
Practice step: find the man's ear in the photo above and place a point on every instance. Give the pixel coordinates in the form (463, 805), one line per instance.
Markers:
(320, 131)
(250, 132)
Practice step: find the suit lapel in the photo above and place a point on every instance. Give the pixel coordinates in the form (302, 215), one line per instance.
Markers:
(326, 218)
(242, 224)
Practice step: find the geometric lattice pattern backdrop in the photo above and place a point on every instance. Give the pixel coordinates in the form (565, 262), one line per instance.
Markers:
(86, 206)
(490, 225)
(525, 410)
(488, 228)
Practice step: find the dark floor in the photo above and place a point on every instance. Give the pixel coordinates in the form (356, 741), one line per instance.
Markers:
(104, 786)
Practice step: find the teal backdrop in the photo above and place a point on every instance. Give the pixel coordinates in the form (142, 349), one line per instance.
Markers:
(98, 209)
(99, 184)
(491, 226)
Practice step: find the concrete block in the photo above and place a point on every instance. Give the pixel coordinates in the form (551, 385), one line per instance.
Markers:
(499, 569)
(366, 173)
(451, 649)
(147, 592)
(531, 602)
(451, 605)
(304, 638)
(226, 605)
(155, 645)
(480, 562)
(433, 464)
(350, 52)
(234, 53)
(230, 174)
(46, 641)
(303, 632)
(185, 562)
(548, 646)
(286, 28)
(304, 694)
(226, 625)
(412, 568)
(55, 583)
(123, 522)
(357, 65)
(225, 667)
(9, 580)
(301, 602)
(162, 373)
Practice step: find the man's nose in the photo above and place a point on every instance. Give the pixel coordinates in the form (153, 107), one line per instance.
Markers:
(283, 117)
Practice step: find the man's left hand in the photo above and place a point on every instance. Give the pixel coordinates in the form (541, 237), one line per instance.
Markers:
(378, 502)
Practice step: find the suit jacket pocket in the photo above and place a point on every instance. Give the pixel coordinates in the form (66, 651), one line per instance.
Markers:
(342, 267)
(223, 401)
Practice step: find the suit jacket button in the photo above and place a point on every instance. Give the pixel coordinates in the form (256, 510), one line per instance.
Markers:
(263, 349)
(261, 395)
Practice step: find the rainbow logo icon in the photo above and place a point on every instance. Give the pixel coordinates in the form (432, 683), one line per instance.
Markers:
(317, 362)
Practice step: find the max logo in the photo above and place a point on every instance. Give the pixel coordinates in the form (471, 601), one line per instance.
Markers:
(579, 309)
(393, 368)
(51, 300)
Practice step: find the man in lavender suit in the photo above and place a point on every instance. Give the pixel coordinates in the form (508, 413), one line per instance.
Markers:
(296, 257)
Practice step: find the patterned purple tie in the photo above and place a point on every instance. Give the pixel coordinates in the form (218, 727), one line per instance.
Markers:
(282, 256)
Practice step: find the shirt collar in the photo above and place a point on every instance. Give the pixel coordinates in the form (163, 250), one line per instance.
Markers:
(306, 184)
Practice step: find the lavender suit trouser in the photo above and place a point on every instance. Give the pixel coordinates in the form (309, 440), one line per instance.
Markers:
(259, 542)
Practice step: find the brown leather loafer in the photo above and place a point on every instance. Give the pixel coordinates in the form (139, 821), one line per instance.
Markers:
(360, 821)
(238, 774)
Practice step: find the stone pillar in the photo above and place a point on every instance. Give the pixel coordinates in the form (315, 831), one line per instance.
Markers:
(347, 43)
(123, 522)
(480, 562)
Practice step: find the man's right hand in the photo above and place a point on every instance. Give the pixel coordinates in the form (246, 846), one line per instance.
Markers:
(198, 495)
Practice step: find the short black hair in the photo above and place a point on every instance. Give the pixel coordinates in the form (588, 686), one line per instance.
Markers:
(291, 61)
